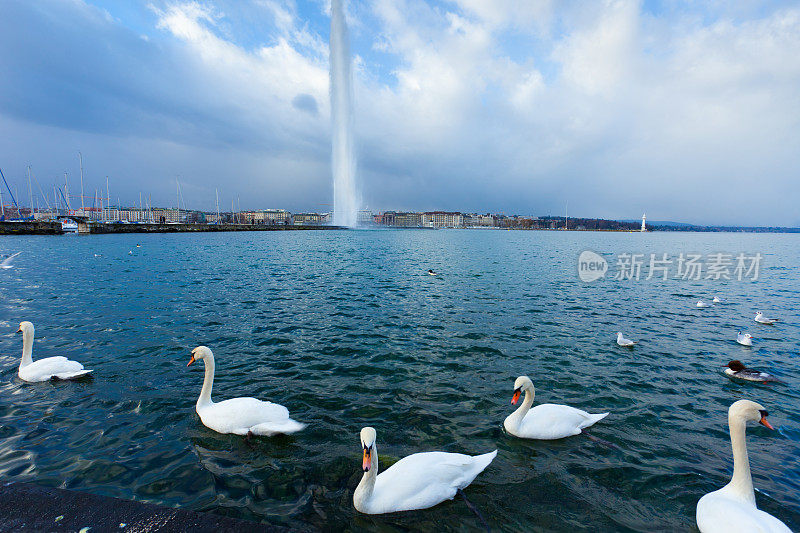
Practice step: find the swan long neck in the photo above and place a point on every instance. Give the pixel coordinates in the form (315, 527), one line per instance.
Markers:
(208, 382)
(523, 409)
(741, 482)
(364, 490)
(27, 348)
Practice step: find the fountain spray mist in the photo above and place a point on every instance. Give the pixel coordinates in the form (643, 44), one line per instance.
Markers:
(343, 160)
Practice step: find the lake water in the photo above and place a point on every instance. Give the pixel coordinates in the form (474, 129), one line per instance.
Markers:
(346, 329)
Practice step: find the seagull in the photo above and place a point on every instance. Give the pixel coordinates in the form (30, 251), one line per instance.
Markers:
(745, 339)
(761, 319)
(6, 263)
(701, 303)
(622, 341)
(717, 300)
(130, 252)
(431, 272)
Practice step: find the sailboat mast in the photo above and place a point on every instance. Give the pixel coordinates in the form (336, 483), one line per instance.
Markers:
(83, 209)
(66, 193)
(108, 196)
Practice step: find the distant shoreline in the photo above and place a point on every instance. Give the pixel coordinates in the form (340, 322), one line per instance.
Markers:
(98, 228)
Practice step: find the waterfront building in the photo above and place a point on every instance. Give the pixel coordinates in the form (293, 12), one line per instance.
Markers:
(364, 217)
(310, 219)
(400, 219)
(163, 215)
(474, 220)
(442, 219)
(266, 216)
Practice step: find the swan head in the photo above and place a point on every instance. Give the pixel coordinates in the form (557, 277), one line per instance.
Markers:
(201, 352)
(368, 437)
(25, 327)
(749, 411)
(522, 384)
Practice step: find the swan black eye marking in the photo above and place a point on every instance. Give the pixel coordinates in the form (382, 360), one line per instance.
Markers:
(764, 414)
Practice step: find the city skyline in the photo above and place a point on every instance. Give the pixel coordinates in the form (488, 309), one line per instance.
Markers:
(686, 112)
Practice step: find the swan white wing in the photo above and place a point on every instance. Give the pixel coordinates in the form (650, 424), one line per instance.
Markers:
(50, 367)
(242, 415)
(423, 480)
(717, 513)
(549, 421)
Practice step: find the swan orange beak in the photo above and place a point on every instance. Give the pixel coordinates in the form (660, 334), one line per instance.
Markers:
(19, 330)
(515, 398)
(190, 360)
(366, 462)
(764, 422)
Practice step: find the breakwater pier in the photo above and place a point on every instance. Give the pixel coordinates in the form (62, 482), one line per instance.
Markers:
(92, 228)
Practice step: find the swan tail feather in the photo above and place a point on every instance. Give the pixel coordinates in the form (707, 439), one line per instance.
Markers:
(593, 419)
(284, 427)
(74, 375)
(482, 461)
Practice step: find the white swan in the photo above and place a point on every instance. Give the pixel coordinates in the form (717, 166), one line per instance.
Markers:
(6, 263)
(732, 508)
(701, 304)
(44, 369)
(761, 319)
(547, 421)
(240, 416)
(745, 339)
(418, 481)
(622, 341)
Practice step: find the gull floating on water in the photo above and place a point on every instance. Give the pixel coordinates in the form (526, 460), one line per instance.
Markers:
(622, 341)
(736, 369)
(47, 368)
(733, 507)
(745, 339)
(546, 421)
(418, 481)
(761, 319)
(6, 263)
(717, 300)
(701, 303)
(431, 272)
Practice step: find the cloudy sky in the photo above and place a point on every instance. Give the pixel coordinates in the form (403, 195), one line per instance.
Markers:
(684, 110)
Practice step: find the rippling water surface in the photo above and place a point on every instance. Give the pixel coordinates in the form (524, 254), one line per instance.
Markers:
(347, 330)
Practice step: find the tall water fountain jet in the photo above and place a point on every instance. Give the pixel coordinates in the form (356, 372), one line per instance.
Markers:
(343, 161)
